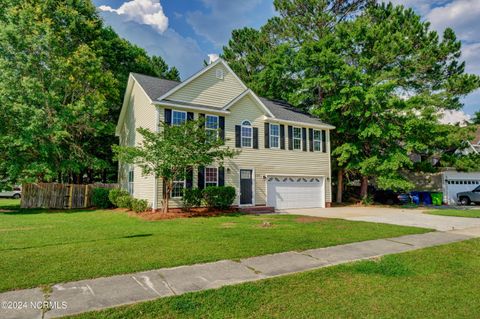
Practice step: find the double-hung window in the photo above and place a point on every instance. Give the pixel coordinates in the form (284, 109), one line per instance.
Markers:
(317, 140)
(246, 134)
(211, 176)
(178, 117)
(274, 136)
(211, 126)
(130, 181)
(177, 189)
(297, 138)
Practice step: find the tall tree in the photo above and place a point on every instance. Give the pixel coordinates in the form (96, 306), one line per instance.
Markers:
(61, 85)
(476, 118)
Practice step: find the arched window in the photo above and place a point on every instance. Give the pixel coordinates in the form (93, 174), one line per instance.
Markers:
(246, 134)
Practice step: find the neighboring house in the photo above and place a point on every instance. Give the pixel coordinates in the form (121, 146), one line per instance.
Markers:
(473, 146)
(284, 158)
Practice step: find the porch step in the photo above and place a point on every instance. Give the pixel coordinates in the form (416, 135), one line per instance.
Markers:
(257, 210)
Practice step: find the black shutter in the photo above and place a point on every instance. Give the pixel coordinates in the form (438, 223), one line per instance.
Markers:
(189, 116)
(238, 130)
(255, 137)
(290, 137)
(168, 116)
(189, 178)
(201, 177)
(221, 176)
(282, 137)
(267, 135)
(304, 139)
(310, 138)
(324, 141)
(221, 126)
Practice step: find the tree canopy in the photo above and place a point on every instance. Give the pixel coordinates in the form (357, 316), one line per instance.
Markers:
(375, 71)
(61, 86)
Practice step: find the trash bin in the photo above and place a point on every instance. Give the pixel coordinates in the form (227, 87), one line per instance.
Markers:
(437, 198)
(425, 198)
(415, 198)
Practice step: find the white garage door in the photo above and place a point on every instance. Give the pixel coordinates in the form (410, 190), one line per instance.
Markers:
(295, 192)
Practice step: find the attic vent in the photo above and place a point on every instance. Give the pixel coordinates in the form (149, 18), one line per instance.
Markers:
(219, 74)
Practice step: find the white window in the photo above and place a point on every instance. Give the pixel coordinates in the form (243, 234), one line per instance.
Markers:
(177, 189)
(211, 176)
(219, 74)
(130, 181)
(317, 140)
(179, 117)
(297, 138)
(274, 136)
(211, 125)
(246, 134)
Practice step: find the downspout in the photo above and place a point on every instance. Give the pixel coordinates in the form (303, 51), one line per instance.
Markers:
(155, 182)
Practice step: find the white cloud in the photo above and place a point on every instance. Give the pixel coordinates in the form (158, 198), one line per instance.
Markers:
(453, 117)
(149, 12)
(224, 16)
(212, 57)
(460, 15)
(421, 6)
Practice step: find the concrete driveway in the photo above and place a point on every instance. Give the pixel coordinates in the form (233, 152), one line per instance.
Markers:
(397, 216)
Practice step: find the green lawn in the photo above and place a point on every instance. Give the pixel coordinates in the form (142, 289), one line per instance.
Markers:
(7, 203)
(39, 248)
(437, 282)
(475, 213)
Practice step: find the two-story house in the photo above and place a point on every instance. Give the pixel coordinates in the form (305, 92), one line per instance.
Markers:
(284, 159)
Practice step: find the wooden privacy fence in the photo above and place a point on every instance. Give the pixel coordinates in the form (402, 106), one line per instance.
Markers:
(62, 196)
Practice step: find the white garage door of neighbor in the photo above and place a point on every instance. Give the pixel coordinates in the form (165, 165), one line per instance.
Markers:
(295, 192)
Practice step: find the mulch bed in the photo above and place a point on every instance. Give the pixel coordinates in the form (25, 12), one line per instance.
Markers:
(178, 213)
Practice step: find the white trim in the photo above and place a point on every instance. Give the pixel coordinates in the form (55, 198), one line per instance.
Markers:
(155, 181)
(193, 108)
(196, 75)
(205, 175)
(244, 93)
(240, 186)
(183, 112)
(303, 124)
(218, 123)
(241, 136)
(296, 138)
(173, 186)
(320, 140)
(270, 136)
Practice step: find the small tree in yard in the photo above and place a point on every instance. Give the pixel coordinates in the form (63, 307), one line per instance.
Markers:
(172, 151)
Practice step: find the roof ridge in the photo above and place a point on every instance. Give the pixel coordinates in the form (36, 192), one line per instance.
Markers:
(154, 77)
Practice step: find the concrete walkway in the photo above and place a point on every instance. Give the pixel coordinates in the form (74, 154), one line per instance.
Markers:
(386, 215)
(94, 294)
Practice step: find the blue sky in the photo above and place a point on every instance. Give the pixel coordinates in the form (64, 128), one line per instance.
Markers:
(184, 32)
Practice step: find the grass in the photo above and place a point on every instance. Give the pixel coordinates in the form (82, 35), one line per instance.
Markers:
(39, 247)
(437, 282)
(8, 203)
(474, 213)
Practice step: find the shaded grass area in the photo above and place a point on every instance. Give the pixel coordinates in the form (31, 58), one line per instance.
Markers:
(437, 282)
(473, 213)
(8, 203)
(39, 247)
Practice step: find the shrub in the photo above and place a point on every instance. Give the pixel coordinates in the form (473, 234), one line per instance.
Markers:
(192, 197)
(220, 197)
(124, 201)
(100, 198)
(138, 205)
(115, 193)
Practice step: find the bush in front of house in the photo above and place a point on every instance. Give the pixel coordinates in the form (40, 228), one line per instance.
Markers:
(124, 201)
(138, 205)
(220, 197)
(192, 197)
(100, 198)
(116, 193)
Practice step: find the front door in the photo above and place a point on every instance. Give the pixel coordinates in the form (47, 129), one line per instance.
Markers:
(246, 187)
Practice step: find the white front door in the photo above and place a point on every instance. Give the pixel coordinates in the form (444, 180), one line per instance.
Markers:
(295, 192)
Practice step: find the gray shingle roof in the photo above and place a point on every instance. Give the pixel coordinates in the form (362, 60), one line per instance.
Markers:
(156, 87)
(153, 86)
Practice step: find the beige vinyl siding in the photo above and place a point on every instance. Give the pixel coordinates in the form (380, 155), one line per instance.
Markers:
(208, 90)
(140, 113)
(263, 161)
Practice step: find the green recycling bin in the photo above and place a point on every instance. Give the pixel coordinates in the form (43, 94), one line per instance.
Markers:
(437, 199)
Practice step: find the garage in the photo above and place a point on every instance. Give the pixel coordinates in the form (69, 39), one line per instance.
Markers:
(455, 182)
(295, 192)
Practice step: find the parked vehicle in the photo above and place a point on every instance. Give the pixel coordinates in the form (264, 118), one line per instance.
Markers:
(390, 197)
(466, 198)
(15, 192)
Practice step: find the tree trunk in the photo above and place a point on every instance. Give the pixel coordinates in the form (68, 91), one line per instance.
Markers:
(166, 196)
(339, 185)
(364, 187)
